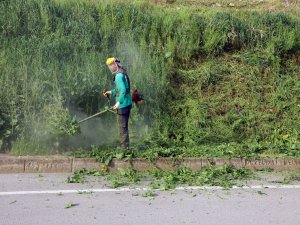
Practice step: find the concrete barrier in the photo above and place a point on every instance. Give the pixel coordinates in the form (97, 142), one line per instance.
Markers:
(11, 164)
(59, 164)
(278, 164)
(48, 164)
(85, 163)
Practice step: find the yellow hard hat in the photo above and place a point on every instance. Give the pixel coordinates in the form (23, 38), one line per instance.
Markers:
(112, 60)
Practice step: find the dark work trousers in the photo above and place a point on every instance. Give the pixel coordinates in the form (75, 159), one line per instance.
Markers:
(123, 117)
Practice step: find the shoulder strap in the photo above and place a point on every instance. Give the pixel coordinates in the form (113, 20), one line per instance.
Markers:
(126, 77)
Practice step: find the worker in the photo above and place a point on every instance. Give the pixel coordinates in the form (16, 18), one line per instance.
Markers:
(123, 98)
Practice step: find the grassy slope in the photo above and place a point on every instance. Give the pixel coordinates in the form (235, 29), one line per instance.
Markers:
(229, 81)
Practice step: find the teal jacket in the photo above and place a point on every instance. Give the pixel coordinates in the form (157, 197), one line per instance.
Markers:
(121, 85)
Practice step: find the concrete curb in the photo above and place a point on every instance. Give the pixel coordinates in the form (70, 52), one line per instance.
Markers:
(59, 164)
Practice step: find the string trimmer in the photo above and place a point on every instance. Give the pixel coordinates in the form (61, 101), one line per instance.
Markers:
(97, 114)
(107, 109)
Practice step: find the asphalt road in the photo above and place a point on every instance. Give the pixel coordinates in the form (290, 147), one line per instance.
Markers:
(35, 199)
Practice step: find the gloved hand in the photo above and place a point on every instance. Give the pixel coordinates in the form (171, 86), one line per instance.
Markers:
(106, 93)
(116, 106)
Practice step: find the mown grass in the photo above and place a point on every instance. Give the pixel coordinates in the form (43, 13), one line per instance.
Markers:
(224, 176)
(211, 79)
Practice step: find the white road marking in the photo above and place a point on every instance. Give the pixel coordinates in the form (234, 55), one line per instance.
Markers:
(145, 189)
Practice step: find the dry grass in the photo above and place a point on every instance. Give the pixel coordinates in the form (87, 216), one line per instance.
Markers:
(292, 6)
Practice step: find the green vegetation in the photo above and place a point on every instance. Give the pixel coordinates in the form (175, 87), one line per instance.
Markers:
(69, 205)
(148, 194)
(216, 82)
(292, 176)
(84, 192)
(59, 121)
(225, 176)
(105, 155)
(79, 175)
(123, 177)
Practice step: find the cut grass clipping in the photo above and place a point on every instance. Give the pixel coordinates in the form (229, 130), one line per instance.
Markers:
(224, 176)
(293, 176)
(70, 205)
(79, 175)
